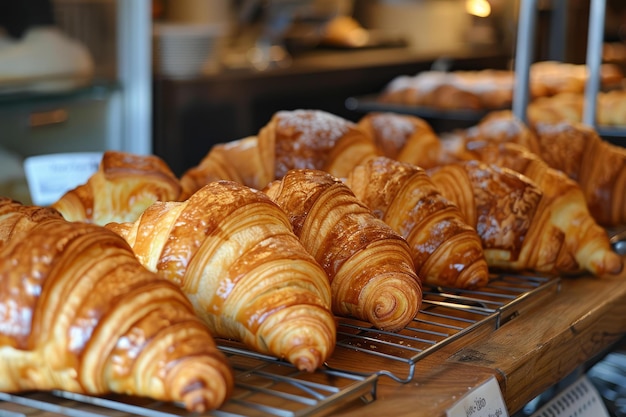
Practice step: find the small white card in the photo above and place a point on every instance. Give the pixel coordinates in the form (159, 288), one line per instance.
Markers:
(580, 399)
(484, 401)
(50, 176)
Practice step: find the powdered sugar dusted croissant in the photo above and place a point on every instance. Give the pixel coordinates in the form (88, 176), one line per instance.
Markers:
(446, 250)
(296, 139)
(537, 222)
(369, 265)
(312, 139)
(232, 251)
(406, 138)
(124, 185)
(80, 313)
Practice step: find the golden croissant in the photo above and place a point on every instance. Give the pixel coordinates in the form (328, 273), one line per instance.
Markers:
(596, 165)
(122, 187)
(369, 265)
(296, 139)
(234, 254)
(537, 221)
(79, 313)
(446, 250)
(405, 138)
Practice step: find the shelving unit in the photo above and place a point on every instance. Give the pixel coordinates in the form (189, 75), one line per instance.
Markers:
(105, 114)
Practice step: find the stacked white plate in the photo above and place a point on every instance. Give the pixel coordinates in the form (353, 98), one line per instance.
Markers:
(185, 50)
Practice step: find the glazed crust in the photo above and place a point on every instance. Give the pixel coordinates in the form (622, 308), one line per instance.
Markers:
(233, 253)
(368, 264)
(81, 314)
(446, 249)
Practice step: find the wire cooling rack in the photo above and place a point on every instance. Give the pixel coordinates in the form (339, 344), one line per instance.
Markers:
(266, 386)
(447, 315)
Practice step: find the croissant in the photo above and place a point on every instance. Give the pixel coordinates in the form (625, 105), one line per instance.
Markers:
(610, 108)
(446, 250)
(122, 187)
(570, 147)
(80, 313)
(312, 139)
(233, 253)
(598, 166)
(407, 138)
(297, 139)
(369, 265)
(524, 228)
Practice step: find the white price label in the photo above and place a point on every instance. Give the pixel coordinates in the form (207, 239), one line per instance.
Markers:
(50, 176)
(484, 401)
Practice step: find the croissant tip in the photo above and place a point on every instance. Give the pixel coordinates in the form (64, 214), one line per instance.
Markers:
(309, 362)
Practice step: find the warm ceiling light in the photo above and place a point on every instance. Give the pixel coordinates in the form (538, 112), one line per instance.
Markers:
(480, 8)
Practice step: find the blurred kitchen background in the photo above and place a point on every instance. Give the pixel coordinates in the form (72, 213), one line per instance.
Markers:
(174, 77)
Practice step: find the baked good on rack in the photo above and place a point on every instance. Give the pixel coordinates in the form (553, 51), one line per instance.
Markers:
(295, 139)
(233, 253)
(79, 313)
(446, 250)
(369, 266)
(122, 187)
(407, 138)
(490, 89)
(558, 108)
(540, 225)
(312, 139)
(554, 77)
(610, 108)
(456, 90)
(596, 165)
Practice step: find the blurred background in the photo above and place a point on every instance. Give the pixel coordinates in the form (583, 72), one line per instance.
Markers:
(174, 77)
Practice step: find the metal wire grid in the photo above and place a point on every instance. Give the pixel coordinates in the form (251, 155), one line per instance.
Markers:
(266, 386)
(446, 316)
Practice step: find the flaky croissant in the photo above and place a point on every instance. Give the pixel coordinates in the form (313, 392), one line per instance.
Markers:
(296, 139)
(369, 265)
(405, 138)
(80, 313)
(122, 187)
(446, 250)
(596, 165)
(312, 139)
(541, 225)
(234, 254)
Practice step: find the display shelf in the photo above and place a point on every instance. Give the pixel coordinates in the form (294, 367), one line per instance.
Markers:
(371, 103)
(26, 94)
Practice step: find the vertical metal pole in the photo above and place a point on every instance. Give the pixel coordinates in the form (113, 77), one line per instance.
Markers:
(134, 55)
(523, 56)
(595, 42)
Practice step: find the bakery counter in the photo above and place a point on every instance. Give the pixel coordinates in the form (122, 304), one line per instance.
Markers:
(193, 114)
(527, 355)
(545, 340)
